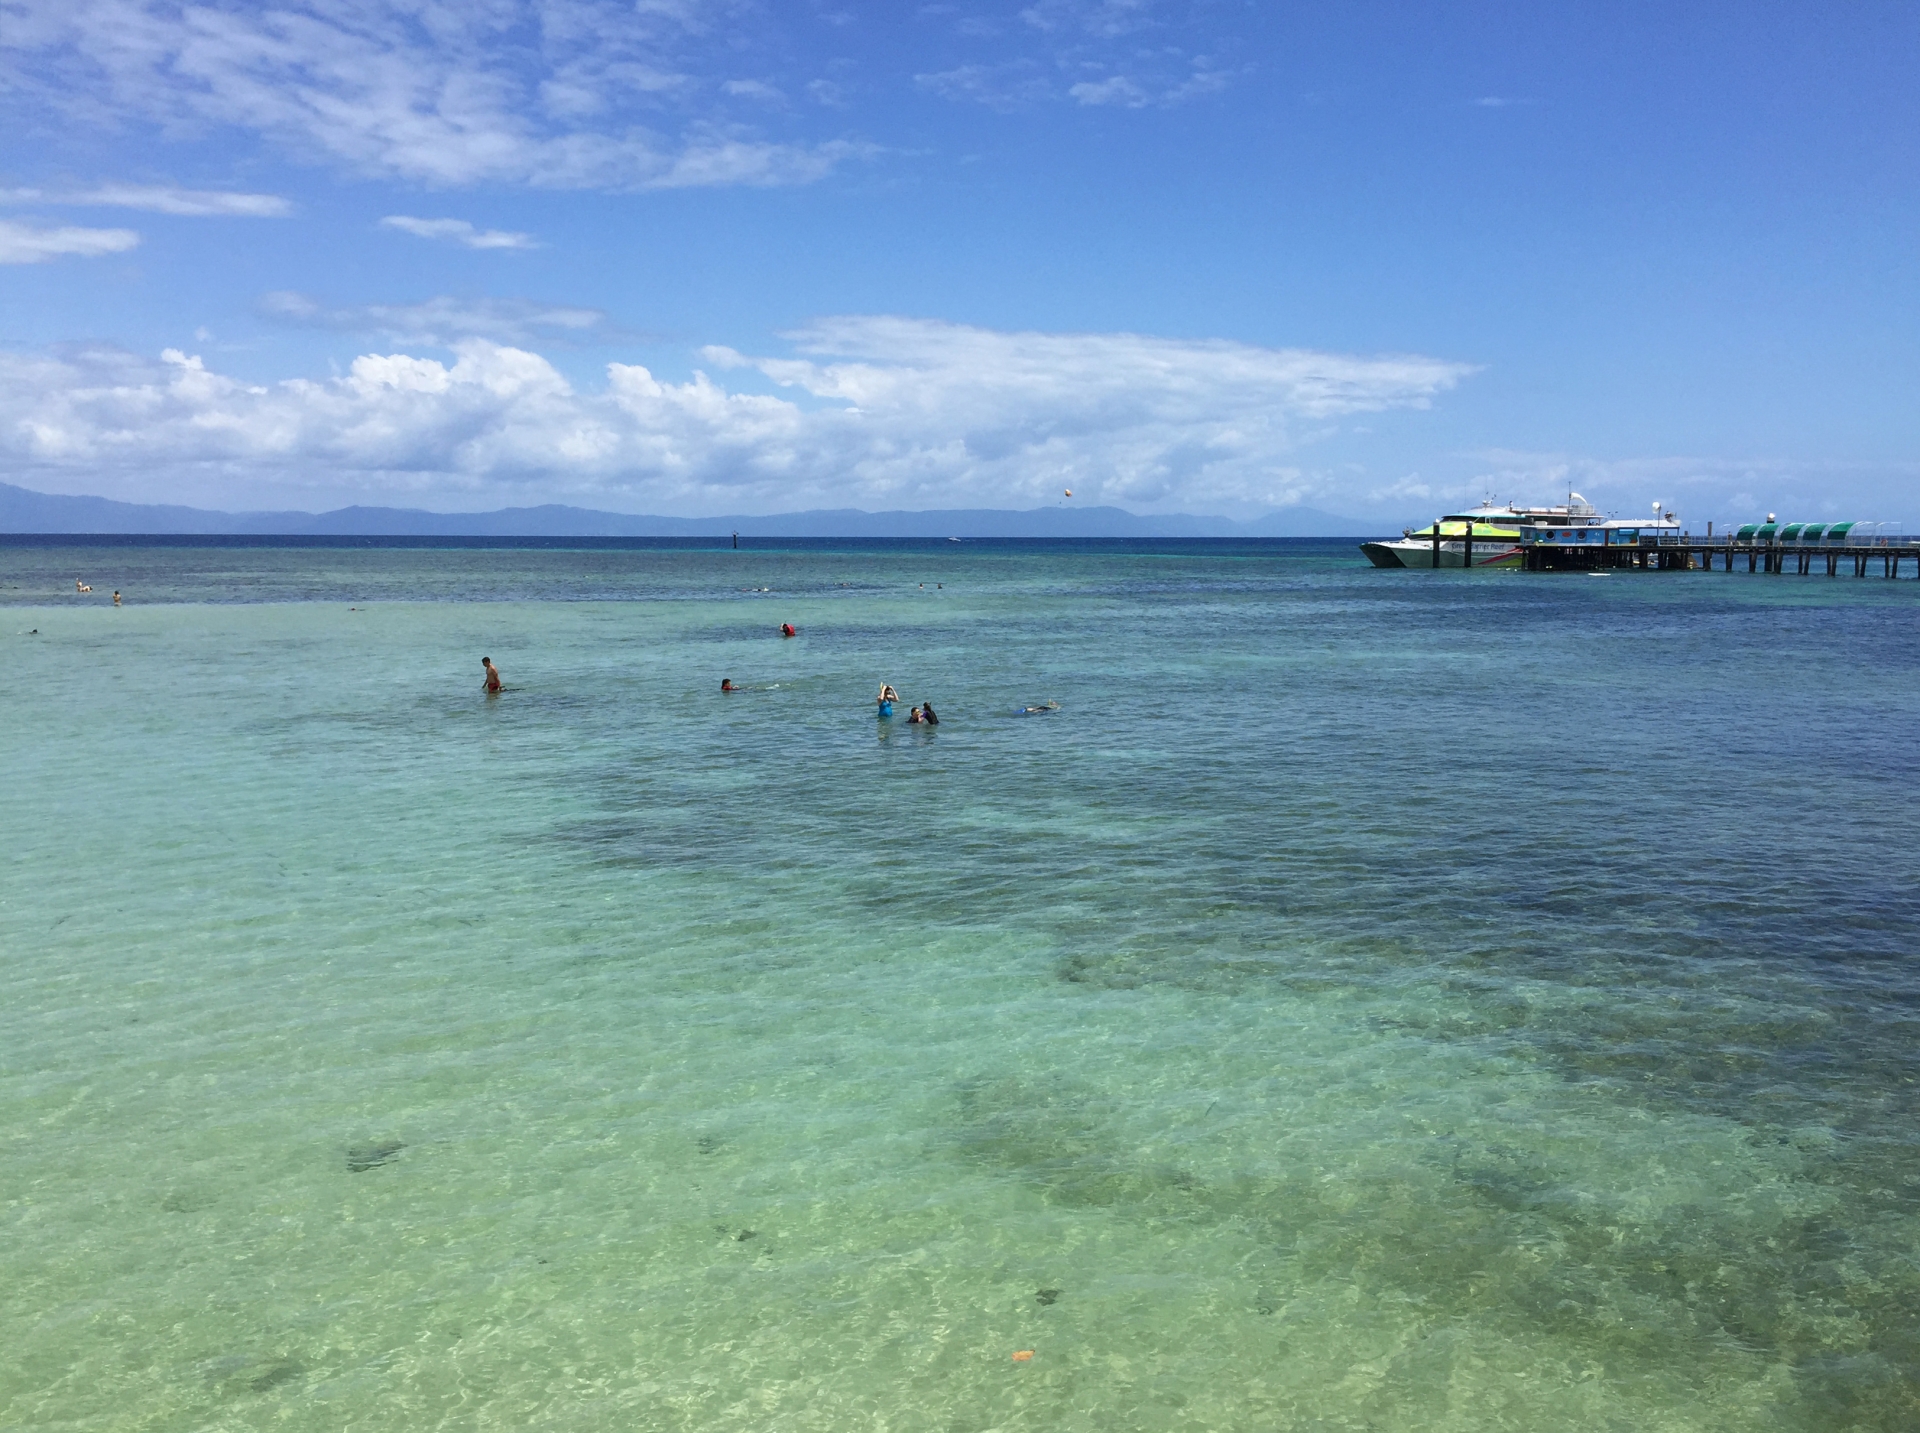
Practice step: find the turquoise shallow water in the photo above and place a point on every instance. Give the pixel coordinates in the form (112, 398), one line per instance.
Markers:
(1373, 1001)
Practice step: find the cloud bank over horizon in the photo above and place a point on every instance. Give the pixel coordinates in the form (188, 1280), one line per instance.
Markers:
(869, 411)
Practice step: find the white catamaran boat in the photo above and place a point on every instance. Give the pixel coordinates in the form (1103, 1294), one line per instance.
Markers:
(1497, 535)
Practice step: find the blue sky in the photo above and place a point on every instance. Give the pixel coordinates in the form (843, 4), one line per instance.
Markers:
(689, 257)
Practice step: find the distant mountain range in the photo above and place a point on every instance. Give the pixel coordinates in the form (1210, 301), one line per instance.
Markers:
(25, 511)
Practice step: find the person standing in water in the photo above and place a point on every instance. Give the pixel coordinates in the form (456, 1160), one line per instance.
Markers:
(927, 716)
(493, 676)
(116, 597)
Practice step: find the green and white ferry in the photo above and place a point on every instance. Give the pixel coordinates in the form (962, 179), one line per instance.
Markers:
(1499, 534)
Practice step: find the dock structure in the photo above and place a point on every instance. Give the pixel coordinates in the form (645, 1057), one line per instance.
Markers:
(1692, 554)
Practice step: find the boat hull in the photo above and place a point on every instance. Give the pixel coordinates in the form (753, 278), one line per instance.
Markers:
(1418, 553)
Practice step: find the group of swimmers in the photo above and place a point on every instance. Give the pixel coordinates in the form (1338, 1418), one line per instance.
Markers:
(923, 715)
(79, 586)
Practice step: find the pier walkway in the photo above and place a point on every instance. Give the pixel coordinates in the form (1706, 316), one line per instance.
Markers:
(1684, 554)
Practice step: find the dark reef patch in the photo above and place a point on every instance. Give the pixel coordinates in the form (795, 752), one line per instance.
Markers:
(362, 1157)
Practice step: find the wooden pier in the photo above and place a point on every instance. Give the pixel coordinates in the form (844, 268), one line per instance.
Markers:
(1687, 554)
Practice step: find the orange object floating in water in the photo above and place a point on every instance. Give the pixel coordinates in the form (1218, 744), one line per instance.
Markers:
(1023, 1355)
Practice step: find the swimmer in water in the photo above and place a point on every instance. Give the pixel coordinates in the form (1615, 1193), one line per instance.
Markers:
(887, 693)
(493, 675)
(726, 685)
(914, 718)
(927, 716)
(116, 597)
(1051, 706)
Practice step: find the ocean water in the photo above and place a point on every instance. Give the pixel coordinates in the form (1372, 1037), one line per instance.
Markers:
(1386, 1001)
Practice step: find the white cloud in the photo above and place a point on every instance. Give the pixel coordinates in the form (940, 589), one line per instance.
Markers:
(459, 231)
(754, 90)
(715, 158)
(26, 244)
(1107, 19)
(158, 199)
(440, 321)
(1128, 93)
(1114, 90)
(551, 93)
(872, 411)
(1005, 87)
(1092, 52)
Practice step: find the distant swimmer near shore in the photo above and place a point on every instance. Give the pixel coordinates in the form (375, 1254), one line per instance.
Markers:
(79, 586)
(493, 676)
(116, 597)
(726, 685)
(1041, 710)
(786, 630)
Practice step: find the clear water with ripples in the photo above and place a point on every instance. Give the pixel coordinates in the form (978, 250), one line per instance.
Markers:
(1372, 1000)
